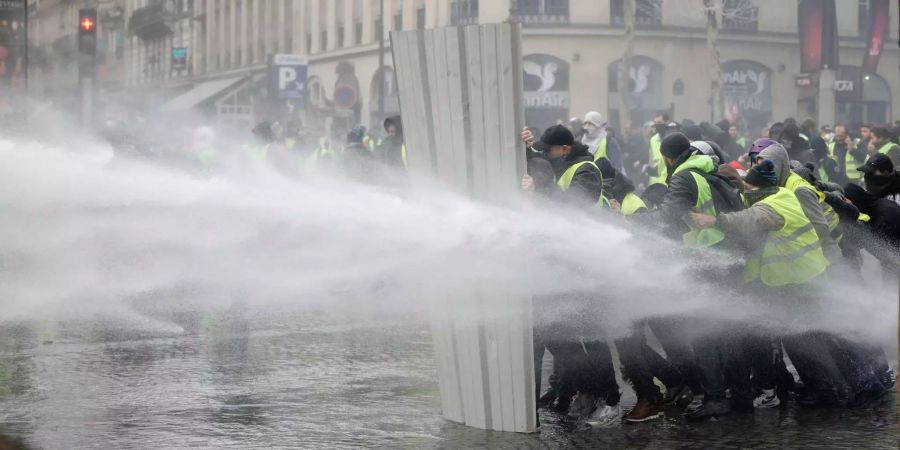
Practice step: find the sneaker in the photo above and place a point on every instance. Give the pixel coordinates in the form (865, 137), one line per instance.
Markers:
(563, 401)
(678, 395)
(768, 399)
(643, 411)
(605, 415)
(583, 405)
(547, 399)
(712, 408)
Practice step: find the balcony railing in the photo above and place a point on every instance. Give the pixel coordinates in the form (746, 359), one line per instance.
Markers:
(540, 12)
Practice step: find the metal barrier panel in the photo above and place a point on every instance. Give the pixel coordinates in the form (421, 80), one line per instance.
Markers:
(461, 104)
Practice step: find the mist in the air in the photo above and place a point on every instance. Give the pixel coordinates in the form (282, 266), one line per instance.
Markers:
(86, 232)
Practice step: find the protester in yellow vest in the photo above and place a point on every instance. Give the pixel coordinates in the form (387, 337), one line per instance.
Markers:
(843, 151)
(784, 264)
(693, 186)
(579, 180)
(882, 142)
(656, 166)
(599, 143)
(809, 199)
(578, 185)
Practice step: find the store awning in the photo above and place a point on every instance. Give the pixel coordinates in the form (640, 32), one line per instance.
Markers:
(199, 93)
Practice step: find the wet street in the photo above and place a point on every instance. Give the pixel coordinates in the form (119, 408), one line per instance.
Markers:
(277, 378)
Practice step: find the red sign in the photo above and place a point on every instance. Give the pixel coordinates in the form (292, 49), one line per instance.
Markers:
(878, 23)
(817, 23)
(344, 96)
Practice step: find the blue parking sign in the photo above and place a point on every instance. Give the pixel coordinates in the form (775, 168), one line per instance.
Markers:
(288, 74)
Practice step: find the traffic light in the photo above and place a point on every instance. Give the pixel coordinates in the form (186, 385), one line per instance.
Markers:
(87, 32)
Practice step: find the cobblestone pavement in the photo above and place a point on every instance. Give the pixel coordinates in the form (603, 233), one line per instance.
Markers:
(792, 427)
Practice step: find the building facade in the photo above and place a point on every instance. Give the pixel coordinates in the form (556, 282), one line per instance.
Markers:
(572, 49)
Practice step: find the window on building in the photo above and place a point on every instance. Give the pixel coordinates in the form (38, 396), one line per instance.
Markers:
(379, 28)
(863, 18)
(464, 12)
(398, 21)
(740, 15)
(357, 34)
(420, 18)
(540, 11)
(340, 37)
(646, 12)
(323, 40)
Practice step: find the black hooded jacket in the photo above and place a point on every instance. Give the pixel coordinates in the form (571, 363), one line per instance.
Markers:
(681, 197)
(883, 186)
(884, 224)
(586, 187)
(797, 147)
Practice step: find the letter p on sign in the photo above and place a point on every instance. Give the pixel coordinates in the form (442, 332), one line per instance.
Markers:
(286, 76)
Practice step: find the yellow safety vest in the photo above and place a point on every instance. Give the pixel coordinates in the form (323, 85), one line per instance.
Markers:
(600, 151)
(631, 204)
(795, 182)
(791, 255)
(369, 143)
(886, 148)
(657, 160)
(705, 204)
(851, 163)
(565, 181)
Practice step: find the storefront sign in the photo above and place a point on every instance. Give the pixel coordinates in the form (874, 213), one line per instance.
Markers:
(546, 96)
(179, 58)
(747, 86)
(803, 81)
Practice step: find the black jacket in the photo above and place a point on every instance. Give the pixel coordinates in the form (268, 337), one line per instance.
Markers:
(586, 187)
(390, 150)
(799, 149)
(884, 224)
(681, 197)
(883, 186)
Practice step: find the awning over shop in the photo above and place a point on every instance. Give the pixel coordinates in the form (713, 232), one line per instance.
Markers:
(200, 93)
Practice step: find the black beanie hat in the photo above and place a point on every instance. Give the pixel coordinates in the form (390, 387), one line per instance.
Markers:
(558, 135)
(763, 175)
(674, 145)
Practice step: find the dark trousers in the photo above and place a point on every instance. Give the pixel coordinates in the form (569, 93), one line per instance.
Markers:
(723, 365)
(640, 363)
(766, 358)
(584, 367)
(861, 363)
(811, 354)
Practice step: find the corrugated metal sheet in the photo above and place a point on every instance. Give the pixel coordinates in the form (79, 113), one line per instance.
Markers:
(461, 103)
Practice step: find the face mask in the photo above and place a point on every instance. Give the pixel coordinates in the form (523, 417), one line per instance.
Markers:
(756, 195)
(557, 163)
